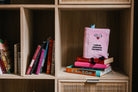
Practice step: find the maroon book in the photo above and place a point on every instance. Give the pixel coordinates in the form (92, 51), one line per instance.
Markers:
(49, 59)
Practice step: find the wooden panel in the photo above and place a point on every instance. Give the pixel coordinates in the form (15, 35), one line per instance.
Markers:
(93, 87)
(26, 85)
(26, 37)
(111, 87)
(125, 41)
(32, 1)
(94, 1)
(100, 0)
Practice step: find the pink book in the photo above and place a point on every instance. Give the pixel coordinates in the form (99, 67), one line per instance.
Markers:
(87, 64)
(96, 42)
(40, 61)
(33, 60)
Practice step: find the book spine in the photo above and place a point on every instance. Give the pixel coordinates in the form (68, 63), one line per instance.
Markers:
(45, 55)
(34, 68)
(102, 69)
(1, 71)
(49, 60)
(4, 60)
(96, 60)
(19, 63)
(2, 65)
(53, 59)
(86, 64)
(80, 71)
(33, 60)
(109, 69)
(109, 60)
(7, 56)
(15, 58)
(40, 61)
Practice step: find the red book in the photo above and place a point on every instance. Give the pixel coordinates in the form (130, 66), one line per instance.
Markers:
(49, 59)
(96, 60)
(33, 59)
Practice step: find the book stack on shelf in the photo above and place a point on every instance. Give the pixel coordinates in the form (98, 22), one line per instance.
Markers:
(5, 61)
(91, 66)
(95, 60)
(43, 59)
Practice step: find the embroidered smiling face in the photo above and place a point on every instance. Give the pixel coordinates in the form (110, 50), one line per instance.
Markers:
(98, 36)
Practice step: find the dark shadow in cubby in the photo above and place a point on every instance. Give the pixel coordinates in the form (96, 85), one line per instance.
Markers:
(32, 1)
(26, 85)
(10, 29)
(72, 24)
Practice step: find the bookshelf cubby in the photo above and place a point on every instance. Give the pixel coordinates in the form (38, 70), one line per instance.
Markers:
(30, 22)
(41, 26)
(73, 31)
(8, 32)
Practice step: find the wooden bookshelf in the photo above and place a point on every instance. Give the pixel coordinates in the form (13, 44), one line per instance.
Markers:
(31, 22)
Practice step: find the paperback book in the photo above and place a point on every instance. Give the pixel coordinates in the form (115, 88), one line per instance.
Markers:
(90, 72)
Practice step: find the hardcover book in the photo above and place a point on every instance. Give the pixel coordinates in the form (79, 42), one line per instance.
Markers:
(34, 68)
(17, 61)
(96, 60)
(45, 56)
(87, 64)
(102, 69)
(40, 61)
(53, 59)
(90, 72)
(49, 60)
(33, 59)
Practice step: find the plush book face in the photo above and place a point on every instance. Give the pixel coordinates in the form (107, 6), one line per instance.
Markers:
(97, 42)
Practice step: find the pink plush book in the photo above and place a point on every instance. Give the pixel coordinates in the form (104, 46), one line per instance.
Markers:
(96, 43)
(40, 61)
(87, 64)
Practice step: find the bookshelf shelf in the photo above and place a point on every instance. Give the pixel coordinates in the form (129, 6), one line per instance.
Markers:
(115, 75)
(33, 76)
(94, 1)
(40, 76)
(30, 22)
(32, 2)
(10, 76)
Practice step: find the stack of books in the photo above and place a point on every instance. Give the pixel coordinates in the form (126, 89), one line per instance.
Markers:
(5, 62)
(43, 59)
(91, 66)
